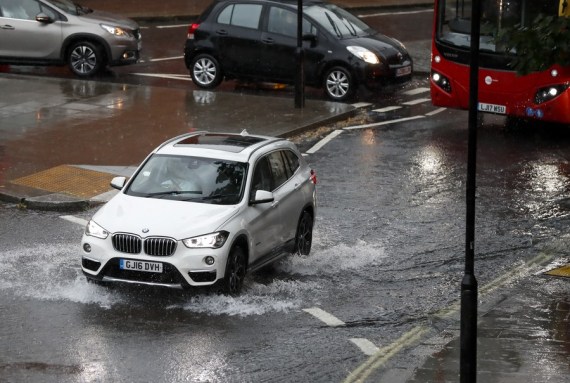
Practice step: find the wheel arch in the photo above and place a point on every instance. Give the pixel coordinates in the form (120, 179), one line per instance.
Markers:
(242, 241)
(70, 40)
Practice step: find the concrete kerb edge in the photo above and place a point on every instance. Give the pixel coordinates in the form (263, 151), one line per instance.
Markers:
(48, 202)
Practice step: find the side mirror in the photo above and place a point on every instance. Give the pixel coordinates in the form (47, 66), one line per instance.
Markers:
(311, 38)
(262, 196)
(118, 182)
(43, 18)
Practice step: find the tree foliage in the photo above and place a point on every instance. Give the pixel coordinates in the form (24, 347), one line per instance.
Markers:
(537, 47)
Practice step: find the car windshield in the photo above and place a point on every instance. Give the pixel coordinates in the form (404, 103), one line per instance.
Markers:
(337, 21)
(70, 7)
(185, 178)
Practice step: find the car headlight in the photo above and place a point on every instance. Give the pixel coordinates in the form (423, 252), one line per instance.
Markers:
(94, 230)
(116, 31)
(213, 240)
(364, 54)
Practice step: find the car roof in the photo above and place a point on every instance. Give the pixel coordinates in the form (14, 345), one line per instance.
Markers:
(229, 146)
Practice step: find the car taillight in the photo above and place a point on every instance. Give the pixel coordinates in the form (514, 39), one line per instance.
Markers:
(313, 177)
(191, 29)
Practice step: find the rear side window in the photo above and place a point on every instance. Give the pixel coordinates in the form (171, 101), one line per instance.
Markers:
(241, 15)
(284, 22)
(278, 169)
(291, 161)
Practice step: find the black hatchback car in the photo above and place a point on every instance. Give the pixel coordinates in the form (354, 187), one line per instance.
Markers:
(257, 40)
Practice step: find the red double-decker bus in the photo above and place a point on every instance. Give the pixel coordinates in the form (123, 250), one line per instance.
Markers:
(541, 95)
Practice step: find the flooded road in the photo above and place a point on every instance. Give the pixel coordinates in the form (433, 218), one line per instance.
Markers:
(388, 256)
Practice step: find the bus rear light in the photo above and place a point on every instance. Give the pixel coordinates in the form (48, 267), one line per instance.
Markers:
(441, 81)
(550, 92)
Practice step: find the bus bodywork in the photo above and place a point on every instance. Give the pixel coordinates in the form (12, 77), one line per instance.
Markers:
(540, 95)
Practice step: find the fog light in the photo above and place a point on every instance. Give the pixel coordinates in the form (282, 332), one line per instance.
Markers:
(87, 247)
(209, 260)
(441, 81)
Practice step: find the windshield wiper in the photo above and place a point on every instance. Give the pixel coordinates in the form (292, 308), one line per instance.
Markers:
(335, 27)
(173, 192)
(211, 197)
(350, 27)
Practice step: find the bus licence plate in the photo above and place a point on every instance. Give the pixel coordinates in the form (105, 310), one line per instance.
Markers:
(151, 267)
(403, 71)
(492, 108)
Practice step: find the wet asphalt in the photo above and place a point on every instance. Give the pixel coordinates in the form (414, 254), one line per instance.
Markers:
(83, 128)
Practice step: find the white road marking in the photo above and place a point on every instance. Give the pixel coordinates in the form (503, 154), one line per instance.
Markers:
(324, 141)
(172, 26)
(415, 102)
(325, 317)
(384, 354)
(166, 58)
(162, 75)
(434, 112)
(366, 346)
(387, 109)
(395, 13)
(71, 218)
(361, 104)
(413, 92)
(383, 123)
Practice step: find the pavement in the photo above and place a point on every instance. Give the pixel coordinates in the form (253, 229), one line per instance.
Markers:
(62, 143)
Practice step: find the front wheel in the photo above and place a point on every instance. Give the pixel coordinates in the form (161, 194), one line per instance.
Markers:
(338, 83)
(304, 236)
(85, 59)
(235, 272)
(206, 71)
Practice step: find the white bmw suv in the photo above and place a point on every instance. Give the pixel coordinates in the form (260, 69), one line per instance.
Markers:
(203, 209)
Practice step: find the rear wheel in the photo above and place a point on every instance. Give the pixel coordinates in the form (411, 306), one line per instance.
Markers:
(206, 71)
(338, 83)
(304, 236)
(235, 272)
(85, 58)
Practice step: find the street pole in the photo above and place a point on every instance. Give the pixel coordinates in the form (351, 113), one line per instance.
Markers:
(468, 331)
(300, 56)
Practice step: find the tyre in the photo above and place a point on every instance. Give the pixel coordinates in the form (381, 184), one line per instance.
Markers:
(206, 72)
(85, 58)
(338, 84)
(235, 272)
(304, 236)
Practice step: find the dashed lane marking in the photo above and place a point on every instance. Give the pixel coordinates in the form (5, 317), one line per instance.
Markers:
(387, 109)
(169, 76)
(329, 319)
(167, 59)
(396, 13)
(73, 219)
(361, 104)
(415, 102)
(384, 123)
(172, 26)
(366, 346)
(416, 91)
(324, 141)
(434, 112)
(379, 358)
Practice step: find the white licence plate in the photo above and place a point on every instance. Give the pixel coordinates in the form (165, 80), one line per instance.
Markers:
(403, 71)
(151, 267)
(492, 108)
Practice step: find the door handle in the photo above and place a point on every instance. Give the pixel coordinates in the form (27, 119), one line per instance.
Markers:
(268, 40)
(222, 32)
(7, 27)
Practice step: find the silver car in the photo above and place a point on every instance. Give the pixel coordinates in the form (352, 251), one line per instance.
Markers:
(59, 32)
(204, 209)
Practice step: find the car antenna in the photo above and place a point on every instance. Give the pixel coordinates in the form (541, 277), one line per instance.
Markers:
(244, 133)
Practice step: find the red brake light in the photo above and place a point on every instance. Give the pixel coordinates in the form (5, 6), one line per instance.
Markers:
(191, 29)
(313, 177)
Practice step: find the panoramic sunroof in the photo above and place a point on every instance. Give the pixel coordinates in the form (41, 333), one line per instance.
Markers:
(230, 143)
